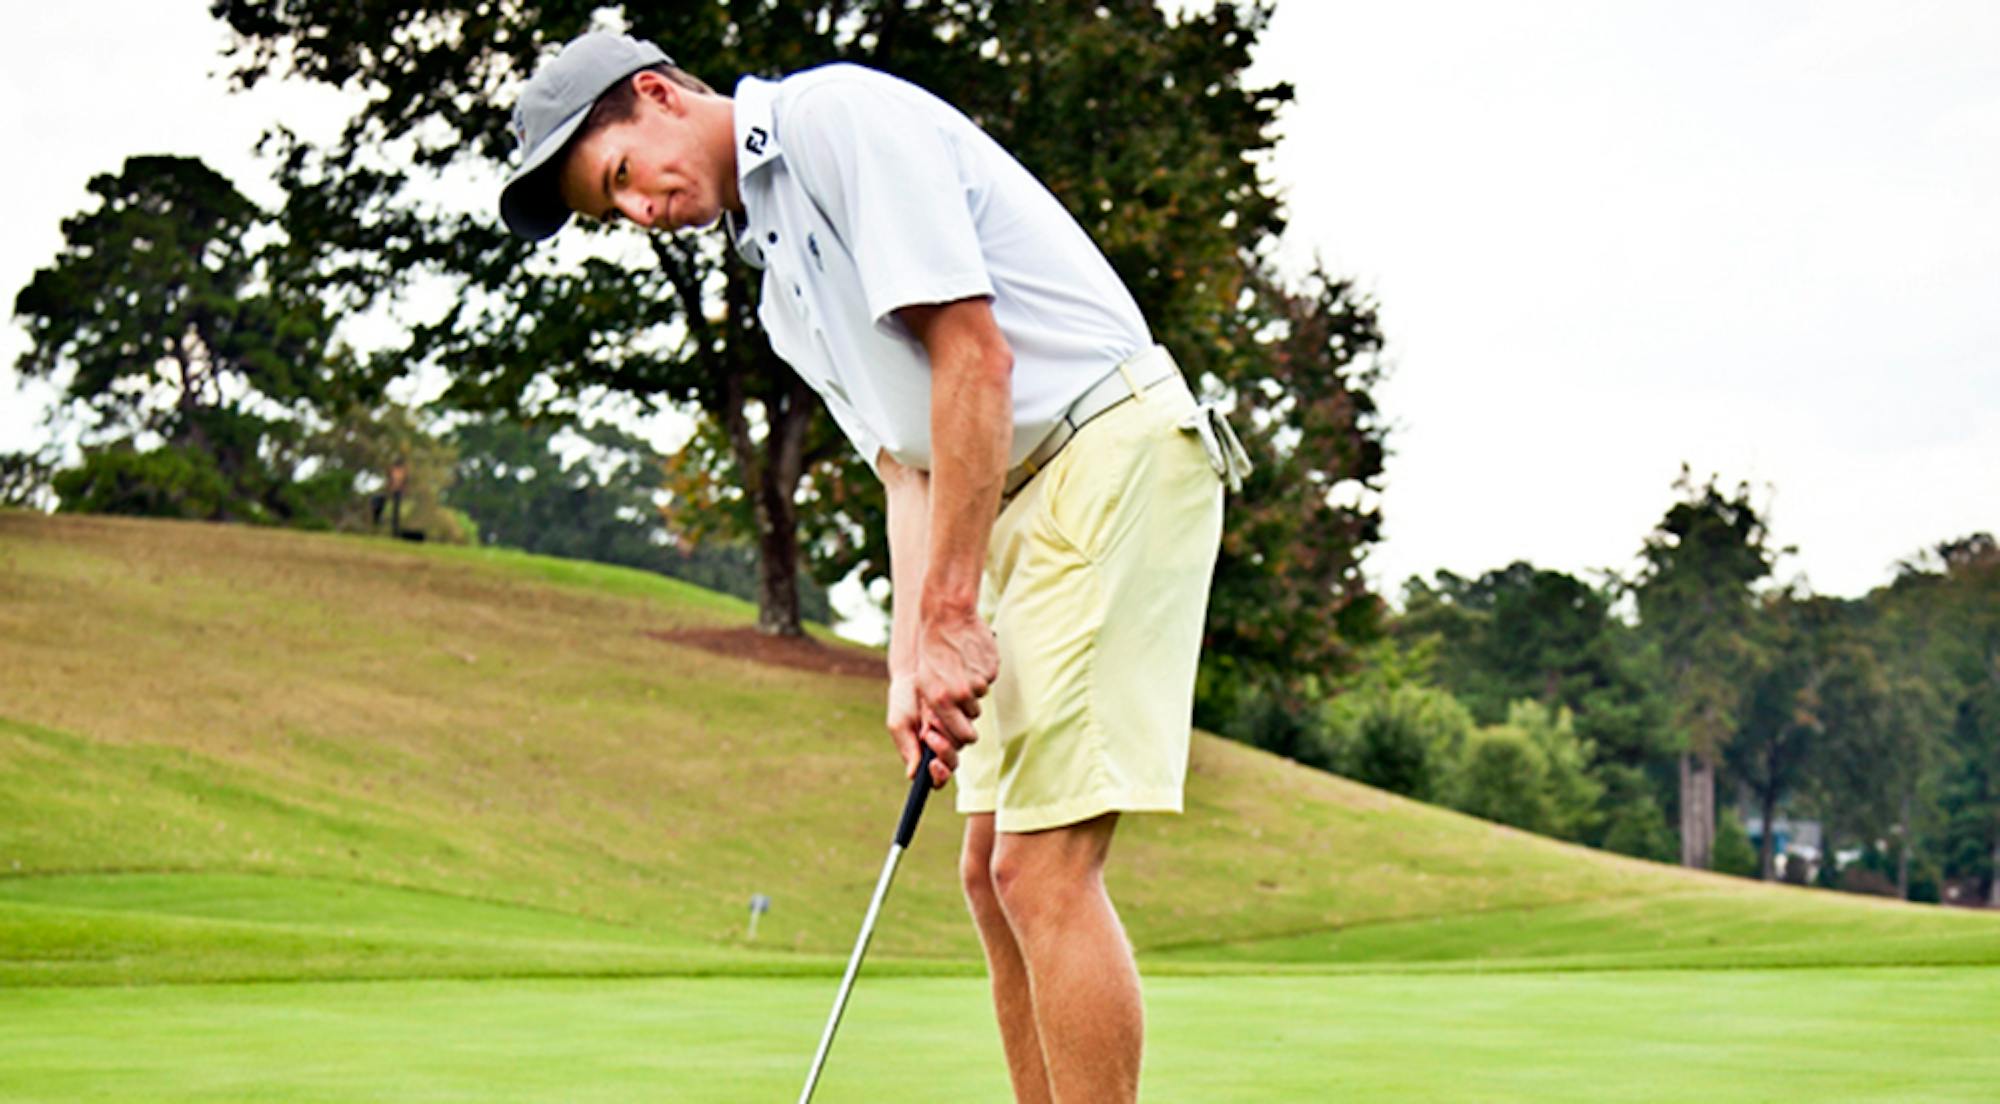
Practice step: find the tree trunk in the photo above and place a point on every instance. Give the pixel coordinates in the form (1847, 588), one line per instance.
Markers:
(789, 410)
(778, 567)
(1993, 879)
(1766, 852)
(769, 468)
(1904, 838)
(1697, 811)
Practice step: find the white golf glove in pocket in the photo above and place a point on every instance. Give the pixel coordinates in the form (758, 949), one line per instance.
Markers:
(1219, 440)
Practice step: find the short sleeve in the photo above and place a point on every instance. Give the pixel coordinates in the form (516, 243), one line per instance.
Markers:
(887, 176)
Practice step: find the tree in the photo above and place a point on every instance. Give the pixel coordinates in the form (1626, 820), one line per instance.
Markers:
(1782, 719)
(1289, 602)
(1972, 567)
(1696, 605)
(590, 492)
(1522, 632)
(1142, 124)
(169, 320)
(1938, 628)
(1517, 632)
(1844, 777)
(1918, 725)
(1976, 800)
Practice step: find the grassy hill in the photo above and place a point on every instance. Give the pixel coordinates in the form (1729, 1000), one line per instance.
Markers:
(238, 753)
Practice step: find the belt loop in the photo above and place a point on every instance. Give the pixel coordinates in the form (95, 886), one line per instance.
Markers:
(1131, 381)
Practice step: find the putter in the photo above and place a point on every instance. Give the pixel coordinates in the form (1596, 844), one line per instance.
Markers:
(906, 830)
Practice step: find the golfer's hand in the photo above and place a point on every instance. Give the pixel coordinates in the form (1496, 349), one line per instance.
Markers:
(906, 726)
(957, 661)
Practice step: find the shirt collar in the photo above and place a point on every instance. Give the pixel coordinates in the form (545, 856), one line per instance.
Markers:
(756, 130)
(756, 147)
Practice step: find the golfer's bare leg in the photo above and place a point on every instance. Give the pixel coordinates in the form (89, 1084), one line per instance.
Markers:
(1011, 1000)
(1084, 984)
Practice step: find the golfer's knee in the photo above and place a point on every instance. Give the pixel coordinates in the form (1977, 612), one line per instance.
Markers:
(1033, 893)
(975, 875)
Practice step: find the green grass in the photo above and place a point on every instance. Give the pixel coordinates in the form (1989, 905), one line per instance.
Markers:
(489, 727)
(476, 833)
(1702, 928)
(1854, 1036)
(596, 578)
(167, 929)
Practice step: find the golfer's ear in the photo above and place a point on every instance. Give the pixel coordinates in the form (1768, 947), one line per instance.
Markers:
(656, 88)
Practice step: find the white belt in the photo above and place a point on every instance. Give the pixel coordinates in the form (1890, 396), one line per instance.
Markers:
(1134, 375)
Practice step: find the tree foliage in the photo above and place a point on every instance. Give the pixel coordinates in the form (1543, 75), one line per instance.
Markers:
(1697, 605)
(1876, 717)
(1939, 627)
(25, 479)
(161, 291)
(170, 315)
(1289, 601)
(1526, 634)
(1785, 716)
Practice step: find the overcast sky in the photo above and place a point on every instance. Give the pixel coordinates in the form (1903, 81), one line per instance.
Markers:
(1607, 239)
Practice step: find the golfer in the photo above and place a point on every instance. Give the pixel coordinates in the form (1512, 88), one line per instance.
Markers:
(1054, 492)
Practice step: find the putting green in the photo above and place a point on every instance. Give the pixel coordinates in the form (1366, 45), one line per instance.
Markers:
(1881, 1035)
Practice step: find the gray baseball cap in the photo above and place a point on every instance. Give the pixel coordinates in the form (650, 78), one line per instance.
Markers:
(553, 104)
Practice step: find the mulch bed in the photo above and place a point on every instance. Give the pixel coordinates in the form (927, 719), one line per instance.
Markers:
(798, 653)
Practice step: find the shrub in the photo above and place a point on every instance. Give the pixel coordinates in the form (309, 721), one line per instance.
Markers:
(1263, 719)
(1571, 791)
(1733, 852)
(1503, 776)
(1633, 821)
(1399, 738)
(169, 482)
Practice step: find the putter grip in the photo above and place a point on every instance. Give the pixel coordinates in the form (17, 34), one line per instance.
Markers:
(913, 807)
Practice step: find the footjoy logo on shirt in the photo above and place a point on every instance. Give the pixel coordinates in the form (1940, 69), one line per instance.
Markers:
(755, 142)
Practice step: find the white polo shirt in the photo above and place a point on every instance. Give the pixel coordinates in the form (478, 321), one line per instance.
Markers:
(863, 194)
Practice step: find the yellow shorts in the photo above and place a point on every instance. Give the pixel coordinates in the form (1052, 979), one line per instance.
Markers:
(1096, 586)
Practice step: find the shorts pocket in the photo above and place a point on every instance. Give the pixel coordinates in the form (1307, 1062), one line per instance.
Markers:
(1089, 484)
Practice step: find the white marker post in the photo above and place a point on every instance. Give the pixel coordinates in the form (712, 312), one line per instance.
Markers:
(759, 905)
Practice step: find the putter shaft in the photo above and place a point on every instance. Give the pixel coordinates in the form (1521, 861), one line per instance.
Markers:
(906, 830)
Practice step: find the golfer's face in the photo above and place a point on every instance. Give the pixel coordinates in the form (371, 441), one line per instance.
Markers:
(648, 170)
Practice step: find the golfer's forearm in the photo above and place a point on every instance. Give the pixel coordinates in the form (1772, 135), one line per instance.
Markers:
(907, 492)
(971, 430)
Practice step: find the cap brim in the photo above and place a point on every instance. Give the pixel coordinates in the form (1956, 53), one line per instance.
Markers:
(531, 202)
